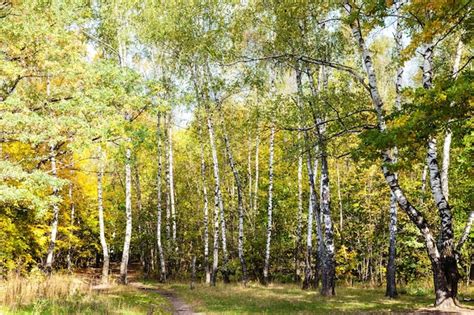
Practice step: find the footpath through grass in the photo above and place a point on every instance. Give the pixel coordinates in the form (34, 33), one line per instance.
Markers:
(290, 299)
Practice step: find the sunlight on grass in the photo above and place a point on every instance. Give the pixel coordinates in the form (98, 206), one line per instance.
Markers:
(69, 295)
(285, 299)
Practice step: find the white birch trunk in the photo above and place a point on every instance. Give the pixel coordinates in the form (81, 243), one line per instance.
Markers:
(207, 269)
(270, 208)
(205, 208)
(391, 289)
(161, 253)
(218, 192)
(128, 211)
(257, 173)
(71, 222)
(240, 204)
(171, 182)
(309, 234)
(167, 184)
(339, 196)
(219, 207)
(328, 263)
(444, 291)
(54, 222)
(250, 176)
(103, 241)
(449, 135)
(299, 218)
(466, 231)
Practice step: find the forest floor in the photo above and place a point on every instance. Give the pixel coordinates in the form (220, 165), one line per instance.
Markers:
(76, 294)
(290, 299)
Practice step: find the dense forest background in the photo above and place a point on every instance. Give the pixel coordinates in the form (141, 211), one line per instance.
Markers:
(311, 141)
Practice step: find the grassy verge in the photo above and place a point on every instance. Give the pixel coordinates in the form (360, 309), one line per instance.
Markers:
(69, 295)
(290, 299)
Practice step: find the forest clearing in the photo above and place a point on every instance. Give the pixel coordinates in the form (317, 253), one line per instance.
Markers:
(76, 294)
(236, 157)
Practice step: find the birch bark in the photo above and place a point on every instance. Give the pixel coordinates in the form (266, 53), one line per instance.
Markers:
(240, 203)
(128, 211)
(266, 266)
(103, 241)
(159, 174)
(449, 134)
(54, 222)
(219, 206)
(205, 208)
(445, 293)
(391, 289)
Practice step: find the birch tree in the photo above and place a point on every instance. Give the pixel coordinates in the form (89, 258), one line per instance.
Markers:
(240, 204)
(442, 259)
(103, 241)
(54, 223)
(159, 216)
(391, 290)
(171, 181)
(128, 209)
(266, 265)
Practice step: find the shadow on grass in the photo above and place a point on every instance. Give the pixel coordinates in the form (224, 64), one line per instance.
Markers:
(119, 300)
(285, 299)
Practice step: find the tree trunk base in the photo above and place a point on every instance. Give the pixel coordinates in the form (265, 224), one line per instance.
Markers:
(448, 306)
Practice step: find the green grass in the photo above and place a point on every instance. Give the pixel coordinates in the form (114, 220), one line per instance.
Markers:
(118, 300)
(286, 299)
(223, 299)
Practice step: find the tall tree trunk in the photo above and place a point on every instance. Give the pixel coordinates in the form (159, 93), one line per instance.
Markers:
(103, 241)
(446, 243)
(199, 97)
(339, 196)
(171, 182)
(54, 222)
(266, 266)
(128, 210)
(449, 134)
(240, 203)
(309, 234)
(213, 97)
(313, 206)
(320, 253)
(299, 218)
(249, 177)
(329, 270)
(71, 223)
(143, 248)
(391, 290)
(257, 173)
(168, 196)
(328, 263)
(159, 204)
(445, 293)
(219, 208)
(424, 174)
(205, 208)
(466, 231)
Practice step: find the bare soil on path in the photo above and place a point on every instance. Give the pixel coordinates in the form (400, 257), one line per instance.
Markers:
(179, 306)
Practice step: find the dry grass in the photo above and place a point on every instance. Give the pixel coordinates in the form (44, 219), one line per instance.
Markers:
(70, 294)
(17, 291)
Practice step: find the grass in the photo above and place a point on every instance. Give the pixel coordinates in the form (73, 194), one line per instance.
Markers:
(69, 294)
(63, 294)
(290, 299)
